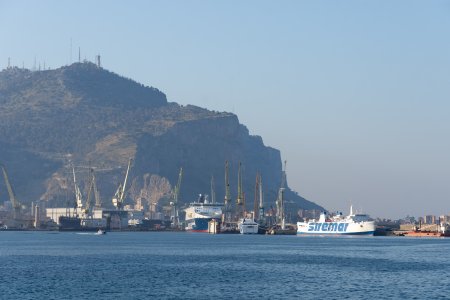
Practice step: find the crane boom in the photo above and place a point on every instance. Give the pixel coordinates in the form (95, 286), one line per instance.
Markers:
(280, 201)
(255, 203)
(240, 201)
(126, 179)
(98, 201)
(261, 201)
(78, 196)
(239, 197)
(119, 196)
(180, 177)
(227, 184)
(176, 194)
(91, 186)
(12, 196)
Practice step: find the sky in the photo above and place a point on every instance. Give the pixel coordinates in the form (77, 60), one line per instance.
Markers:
(355, 94)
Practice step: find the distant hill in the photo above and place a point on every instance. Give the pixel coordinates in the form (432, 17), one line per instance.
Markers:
(88, 116)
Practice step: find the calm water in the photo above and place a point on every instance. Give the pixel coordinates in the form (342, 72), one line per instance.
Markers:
(39, 265)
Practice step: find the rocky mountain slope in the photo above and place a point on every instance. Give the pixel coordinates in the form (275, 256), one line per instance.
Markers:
(90, 117)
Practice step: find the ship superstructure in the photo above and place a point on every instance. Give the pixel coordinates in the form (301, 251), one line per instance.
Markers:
(199, 213)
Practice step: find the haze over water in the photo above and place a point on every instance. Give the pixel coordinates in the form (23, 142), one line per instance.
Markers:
(50, 265)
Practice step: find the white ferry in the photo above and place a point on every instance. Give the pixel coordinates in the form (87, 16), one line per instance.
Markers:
(353, 224)
(199, 213)
(248, 226)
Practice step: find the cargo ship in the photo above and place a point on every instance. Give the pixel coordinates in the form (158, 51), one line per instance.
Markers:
(81, 224)
(353, 224)
(199, 213)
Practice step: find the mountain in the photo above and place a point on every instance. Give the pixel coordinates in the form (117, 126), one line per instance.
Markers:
(90, 117)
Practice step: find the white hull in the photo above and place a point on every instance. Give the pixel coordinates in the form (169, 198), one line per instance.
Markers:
(336, 228)
(248, 226)
(353, 224)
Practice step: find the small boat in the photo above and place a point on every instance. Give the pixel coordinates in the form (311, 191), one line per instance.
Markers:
(248, 226)
(100, 232)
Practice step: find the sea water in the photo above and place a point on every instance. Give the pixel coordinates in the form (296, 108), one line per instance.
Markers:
(144, 265)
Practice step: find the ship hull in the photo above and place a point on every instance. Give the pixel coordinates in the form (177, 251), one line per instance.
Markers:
(367, 233)
(199, 224)
(75, 224)
(336, 228)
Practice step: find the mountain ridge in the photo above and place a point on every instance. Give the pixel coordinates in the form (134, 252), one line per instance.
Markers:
(87, 115)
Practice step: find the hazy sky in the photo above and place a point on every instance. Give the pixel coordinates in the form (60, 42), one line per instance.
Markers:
(355, 94)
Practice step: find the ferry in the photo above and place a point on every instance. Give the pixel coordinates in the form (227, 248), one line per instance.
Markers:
(199, 213)
(353, 224)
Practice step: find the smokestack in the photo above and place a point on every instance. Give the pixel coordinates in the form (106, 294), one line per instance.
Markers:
(37, 217)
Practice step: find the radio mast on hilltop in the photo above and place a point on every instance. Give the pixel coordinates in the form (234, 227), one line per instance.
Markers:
(97, 61)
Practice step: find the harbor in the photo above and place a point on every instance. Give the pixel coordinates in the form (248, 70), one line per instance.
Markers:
(205, 215)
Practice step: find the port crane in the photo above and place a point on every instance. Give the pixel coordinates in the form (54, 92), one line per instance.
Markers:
(226, 217)
(240, 201)
(93, 188)
(12, 196)
(119, 196)
(262, 218)
(258, 205)
(98, 200)
(78, 195)
(280, 200)
(175, 197)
